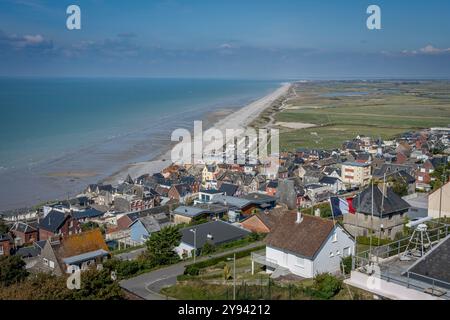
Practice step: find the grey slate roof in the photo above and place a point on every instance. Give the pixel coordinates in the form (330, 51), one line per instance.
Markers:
(52, 221)
(228, 188)
(435, 264)
(88, 213)
(392, 204)
(220, 231)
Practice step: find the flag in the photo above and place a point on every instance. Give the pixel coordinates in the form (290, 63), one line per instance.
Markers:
(341, 207)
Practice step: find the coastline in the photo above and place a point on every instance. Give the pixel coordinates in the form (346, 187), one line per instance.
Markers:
(240, 118)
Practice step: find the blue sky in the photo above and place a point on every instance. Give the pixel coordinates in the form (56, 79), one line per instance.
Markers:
(226, 39)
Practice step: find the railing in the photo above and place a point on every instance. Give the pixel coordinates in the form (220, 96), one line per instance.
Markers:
(262, 259)
(407, 278)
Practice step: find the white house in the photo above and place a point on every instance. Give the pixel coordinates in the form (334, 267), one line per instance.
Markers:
(306, 246)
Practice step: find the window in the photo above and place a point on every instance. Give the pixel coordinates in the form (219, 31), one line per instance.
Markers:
(331, 254)
(1, 251)
(51, 264)
(45, 261)
(338, 253)
(300, 262)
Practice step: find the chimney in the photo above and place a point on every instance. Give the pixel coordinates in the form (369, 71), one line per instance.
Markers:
(299, 217)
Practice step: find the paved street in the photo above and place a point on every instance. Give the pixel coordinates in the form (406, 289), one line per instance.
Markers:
(148, 285)
(132, 255)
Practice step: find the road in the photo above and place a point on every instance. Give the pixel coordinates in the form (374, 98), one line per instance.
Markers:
(148, 285)
(132, 255)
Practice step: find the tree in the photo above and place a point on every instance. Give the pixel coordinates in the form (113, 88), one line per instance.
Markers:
(12, 270)
(161, 245)
(3, 227)
(208, 248)
(400, 188)
(98, 285)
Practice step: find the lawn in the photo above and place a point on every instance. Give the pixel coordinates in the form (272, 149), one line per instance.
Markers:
(211, 285)
(343, 110)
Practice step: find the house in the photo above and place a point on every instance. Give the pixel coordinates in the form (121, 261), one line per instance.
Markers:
(229, 189)
(263, 222)
(335, 184)
(271, 187)
(209, 175)
(142, 228)
(83, 250)
(403, 178)
(180, 192)
(389, 211)
(248, 204)
(58, 224)
(186, 214)
(86, 215)
(305, 246)
(207, 196)
(214, 232)
(24, 233)
(355, 173)
(5, 244)
(439, 202)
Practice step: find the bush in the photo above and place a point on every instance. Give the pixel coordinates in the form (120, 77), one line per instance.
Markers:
(346, 265)
(325, 286)
(192, 270)
(208, 248)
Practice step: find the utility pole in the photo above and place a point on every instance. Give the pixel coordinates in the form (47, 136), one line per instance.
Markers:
(194, 231)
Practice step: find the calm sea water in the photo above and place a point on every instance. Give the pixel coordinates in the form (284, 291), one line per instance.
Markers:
(97, 125)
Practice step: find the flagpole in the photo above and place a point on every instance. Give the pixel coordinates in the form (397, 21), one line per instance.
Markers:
(371, 228)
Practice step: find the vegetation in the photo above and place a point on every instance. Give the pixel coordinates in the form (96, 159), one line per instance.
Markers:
(343, 110)
(161, 245)
(325, 286)
(375, 241)
(441, 175)
(12, 270)
(91, 226)
(346, 265)
(3, 227)
(325, 210)
(95, 285)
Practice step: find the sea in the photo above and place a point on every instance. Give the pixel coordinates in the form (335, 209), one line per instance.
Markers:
(97, 126)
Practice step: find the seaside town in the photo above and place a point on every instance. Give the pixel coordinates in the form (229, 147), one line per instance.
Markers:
(368, 220)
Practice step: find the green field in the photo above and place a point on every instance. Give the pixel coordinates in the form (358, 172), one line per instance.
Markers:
(343, 110)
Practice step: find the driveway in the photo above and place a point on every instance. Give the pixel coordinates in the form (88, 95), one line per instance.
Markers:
(148, 285)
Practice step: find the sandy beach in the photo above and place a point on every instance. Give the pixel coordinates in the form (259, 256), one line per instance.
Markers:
(237, 119)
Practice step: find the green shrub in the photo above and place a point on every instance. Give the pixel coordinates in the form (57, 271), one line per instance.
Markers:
(325, 286)
(192, 270)
(375, 241)
(346, 265)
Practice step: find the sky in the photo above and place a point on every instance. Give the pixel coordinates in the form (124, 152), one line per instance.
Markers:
(251, 39)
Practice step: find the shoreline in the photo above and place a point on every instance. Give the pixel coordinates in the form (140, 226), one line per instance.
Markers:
(239, 118)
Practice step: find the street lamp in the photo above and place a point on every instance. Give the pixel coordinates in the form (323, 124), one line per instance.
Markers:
(195, 242)
(234, 275)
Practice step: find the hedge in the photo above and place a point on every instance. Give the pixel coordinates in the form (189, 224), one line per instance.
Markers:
(194, 269)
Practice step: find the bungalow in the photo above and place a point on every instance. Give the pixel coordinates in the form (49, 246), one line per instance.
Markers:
(186, 214)
(214, 232)
(24, 233)
(305, 246)
(180, 192)
(58, 224)
(142, 228)
(335, 184)
(207, 196)
(83, 250)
